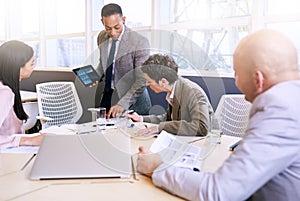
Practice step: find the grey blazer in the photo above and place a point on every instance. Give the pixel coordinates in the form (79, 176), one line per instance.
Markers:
(131, 91)
(190, 111)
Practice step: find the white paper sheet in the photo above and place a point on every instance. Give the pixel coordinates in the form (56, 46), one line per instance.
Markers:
(176, 152)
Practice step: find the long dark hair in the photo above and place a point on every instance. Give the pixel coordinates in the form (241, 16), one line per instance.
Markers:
(14, 55)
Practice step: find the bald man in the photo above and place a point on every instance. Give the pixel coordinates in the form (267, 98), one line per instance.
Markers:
(266, 165)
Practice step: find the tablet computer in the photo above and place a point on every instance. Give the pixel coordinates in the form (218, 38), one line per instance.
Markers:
(87, 75)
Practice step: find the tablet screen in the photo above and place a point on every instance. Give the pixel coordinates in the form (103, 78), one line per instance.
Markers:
(87, 75)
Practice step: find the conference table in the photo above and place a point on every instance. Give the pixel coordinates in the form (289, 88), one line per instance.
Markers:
(15, 184)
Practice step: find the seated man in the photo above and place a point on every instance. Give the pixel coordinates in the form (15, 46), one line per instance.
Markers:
(266, 164)
(189, 108)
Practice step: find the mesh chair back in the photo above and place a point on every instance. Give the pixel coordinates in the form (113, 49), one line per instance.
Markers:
(233, 111)
(59, 101)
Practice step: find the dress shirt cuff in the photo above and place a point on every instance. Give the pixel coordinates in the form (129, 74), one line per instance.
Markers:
(159, 177)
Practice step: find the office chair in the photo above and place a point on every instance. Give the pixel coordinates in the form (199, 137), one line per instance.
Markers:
(32, 110)
(233, 113)
(58, 103)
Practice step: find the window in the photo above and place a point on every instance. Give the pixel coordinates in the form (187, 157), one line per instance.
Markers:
(65, 52)
(285, 20)
(64, 31)
(64, 16)
(192, 10)
(214, 27)
(24, 18)
(201, 35)
(282, 7)
(2, 20)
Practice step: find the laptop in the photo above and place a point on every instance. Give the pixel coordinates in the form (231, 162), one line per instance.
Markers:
(83, 156)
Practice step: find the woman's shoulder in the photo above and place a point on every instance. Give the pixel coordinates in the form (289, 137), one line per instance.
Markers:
(6, 94)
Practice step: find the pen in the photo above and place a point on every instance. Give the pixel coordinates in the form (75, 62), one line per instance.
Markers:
(195, 140)
(232, 147)
(125, 112)
(130, 111)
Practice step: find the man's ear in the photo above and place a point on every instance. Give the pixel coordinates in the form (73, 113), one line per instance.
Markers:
(123, 19)
(163, 82)
(259, 81)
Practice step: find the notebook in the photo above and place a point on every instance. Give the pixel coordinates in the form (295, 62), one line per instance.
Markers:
(82, 156)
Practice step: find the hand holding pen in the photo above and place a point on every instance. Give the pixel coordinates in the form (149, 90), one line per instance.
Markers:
(147, 131)
(134, 116)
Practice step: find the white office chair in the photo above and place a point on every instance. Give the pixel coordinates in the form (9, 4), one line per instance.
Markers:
(32, 110)
(58, 103)
(233, 112)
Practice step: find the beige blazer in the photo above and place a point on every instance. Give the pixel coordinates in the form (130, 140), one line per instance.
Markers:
(190, 111)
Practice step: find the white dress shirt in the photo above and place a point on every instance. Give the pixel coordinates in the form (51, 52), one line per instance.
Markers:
(266, 164)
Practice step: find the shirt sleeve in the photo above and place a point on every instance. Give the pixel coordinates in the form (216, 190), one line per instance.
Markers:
(9, 141)
(6, 102)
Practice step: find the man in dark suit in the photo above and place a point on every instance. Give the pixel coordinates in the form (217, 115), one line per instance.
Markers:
(122, 52)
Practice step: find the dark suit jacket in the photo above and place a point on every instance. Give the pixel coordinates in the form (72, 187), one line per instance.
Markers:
(130, 84)
(190, 111)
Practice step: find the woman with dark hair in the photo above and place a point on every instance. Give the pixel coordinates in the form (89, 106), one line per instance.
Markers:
(16, 63)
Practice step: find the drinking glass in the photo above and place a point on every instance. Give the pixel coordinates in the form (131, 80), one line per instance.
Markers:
(101, 118)
(215, 130)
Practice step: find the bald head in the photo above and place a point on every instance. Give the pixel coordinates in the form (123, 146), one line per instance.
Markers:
(267, 55)
(268, 50)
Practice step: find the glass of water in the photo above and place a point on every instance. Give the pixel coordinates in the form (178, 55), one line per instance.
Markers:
(215, 130)
(101, 118)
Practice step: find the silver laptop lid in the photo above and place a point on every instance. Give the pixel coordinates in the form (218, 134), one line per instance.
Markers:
(83, 156)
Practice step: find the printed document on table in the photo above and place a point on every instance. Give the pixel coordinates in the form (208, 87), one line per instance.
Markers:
(20, 150)
(176, 152)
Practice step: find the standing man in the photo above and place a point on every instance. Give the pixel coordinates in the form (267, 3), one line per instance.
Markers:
(122, 52)
(266, 164)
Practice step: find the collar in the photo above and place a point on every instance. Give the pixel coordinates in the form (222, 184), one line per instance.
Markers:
(170, 96)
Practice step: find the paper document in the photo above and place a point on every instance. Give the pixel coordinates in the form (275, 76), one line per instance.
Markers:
(176, 152)
(83, 128)
(20, 150)
(63, 129)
